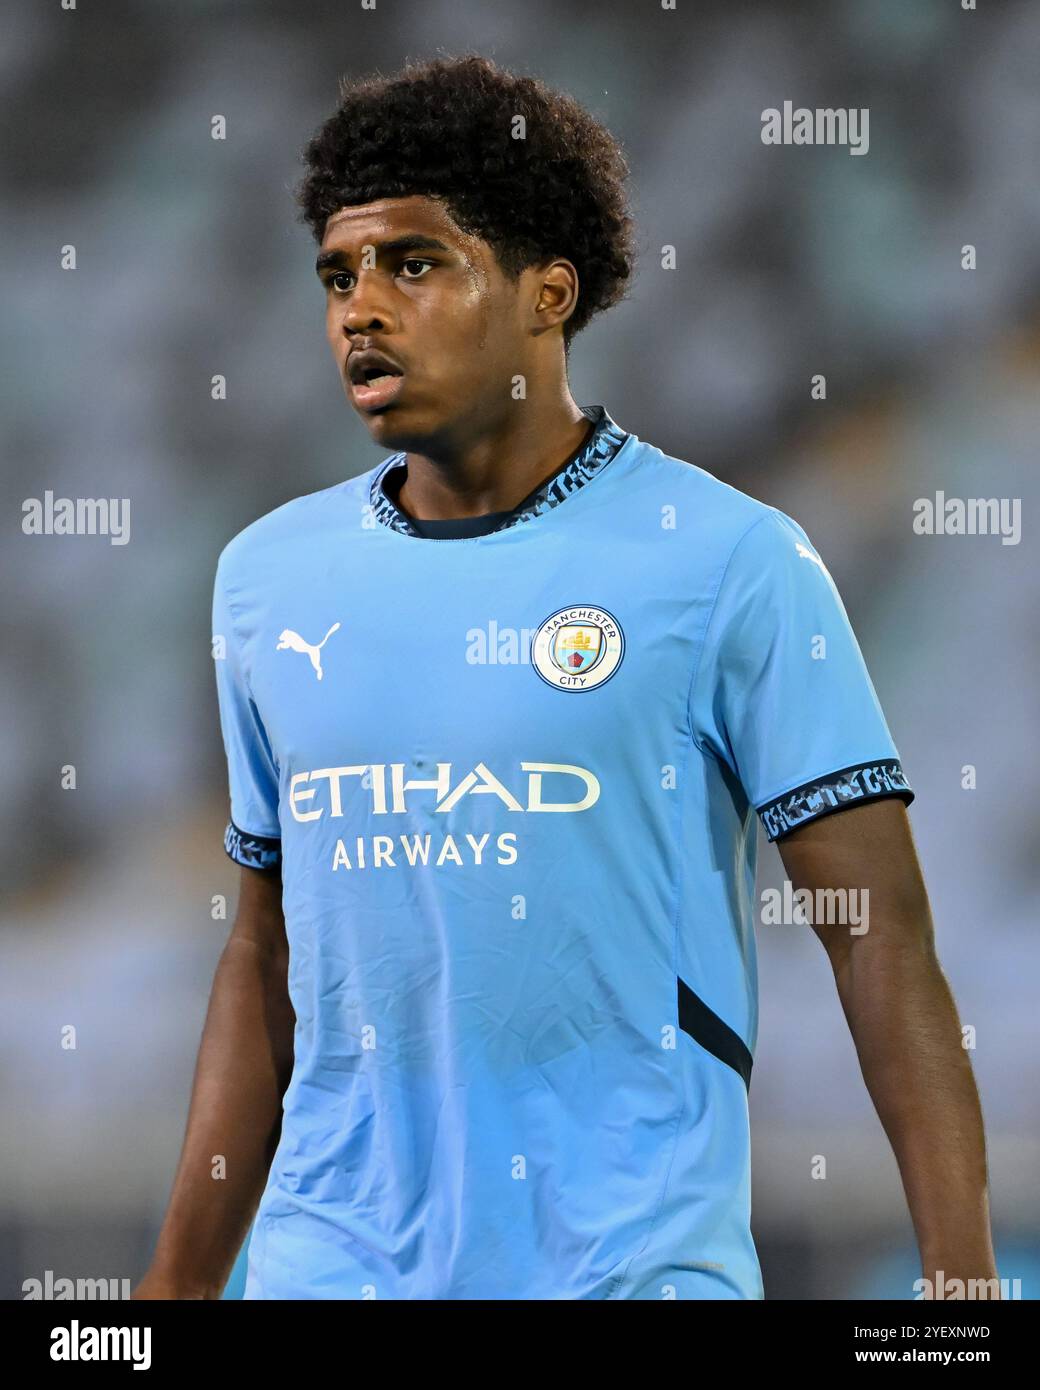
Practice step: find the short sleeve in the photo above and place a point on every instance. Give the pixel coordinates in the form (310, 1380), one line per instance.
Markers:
(253, 834)
(782, 694)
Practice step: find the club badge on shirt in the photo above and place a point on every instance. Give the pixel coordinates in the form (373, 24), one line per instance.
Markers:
(578, 647)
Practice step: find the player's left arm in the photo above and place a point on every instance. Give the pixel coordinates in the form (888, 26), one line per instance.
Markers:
(905, 1027)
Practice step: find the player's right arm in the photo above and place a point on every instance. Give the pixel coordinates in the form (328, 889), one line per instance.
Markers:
(244, 1065)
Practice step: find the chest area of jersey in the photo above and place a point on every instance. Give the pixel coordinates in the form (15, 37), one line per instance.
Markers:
(467, 694)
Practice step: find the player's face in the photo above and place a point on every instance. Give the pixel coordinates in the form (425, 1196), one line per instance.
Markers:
(402, 279)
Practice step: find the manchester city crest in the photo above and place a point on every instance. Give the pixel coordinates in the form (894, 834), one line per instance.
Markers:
(578, 648)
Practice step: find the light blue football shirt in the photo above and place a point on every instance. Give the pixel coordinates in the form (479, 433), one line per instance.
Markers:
(511, 782)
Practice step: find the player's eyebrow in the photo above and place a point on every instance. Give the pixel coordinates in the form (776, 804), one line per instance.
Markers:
(411, 242)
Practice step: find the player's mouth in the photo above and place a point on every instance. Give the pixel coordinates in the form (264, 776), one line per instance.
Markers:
(375, 379)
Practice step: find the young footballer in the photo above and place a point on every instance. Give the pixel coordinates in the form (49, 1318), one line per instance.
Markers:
(501, 717)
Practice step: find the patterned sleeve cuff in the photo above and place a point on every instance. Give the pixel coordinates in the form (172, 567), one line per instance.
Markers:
(253, 851)
(851, 786)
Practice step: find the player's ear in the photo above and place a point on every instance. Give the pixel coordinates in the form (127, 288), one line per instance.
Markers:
(556, 294)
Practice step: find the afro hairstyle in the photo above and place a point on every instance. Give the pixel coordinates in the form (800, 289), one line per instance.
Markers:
(444, 128)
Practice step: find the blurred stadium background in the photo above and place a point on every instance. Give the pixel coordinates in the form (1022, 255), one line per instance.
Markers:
(791, 261)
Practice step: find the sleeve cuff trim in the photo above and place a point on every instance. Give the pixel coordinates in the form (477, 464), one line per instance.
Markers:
(850, 786)
(252, 851)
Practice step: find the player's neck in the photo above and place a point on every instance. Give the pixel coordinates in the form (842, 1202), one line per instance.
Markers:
(494, 470)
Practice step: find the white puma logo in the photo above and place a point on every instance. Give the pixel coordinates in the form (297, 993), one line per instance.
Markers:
(291, 641)
(808, 555)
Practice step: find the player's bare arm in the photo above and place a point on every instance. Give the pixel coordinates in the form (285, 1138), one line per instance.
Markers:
(904, 1023)
(243, 1068)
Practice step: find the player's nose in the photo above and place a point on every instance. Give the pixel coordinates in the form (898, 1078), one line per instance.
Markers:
(368, 309)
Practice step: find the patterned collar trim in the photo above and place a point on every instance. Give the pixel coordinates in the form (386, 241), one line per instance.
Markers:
(602, 445)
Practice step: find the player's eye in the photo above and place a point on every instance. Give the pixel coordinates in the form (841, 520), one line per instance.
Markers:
(414, 269)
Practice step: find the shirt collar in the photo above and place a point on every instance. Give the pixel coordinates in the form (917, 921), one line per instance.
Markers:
(601, 446)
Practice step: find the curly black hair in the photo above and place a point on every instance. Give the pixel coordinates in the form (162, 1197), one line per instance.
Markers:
(445, 128)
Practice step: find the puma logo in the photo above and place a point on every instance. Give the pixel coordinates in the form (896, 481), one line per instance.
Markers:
(808, 555)
(291, 641)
